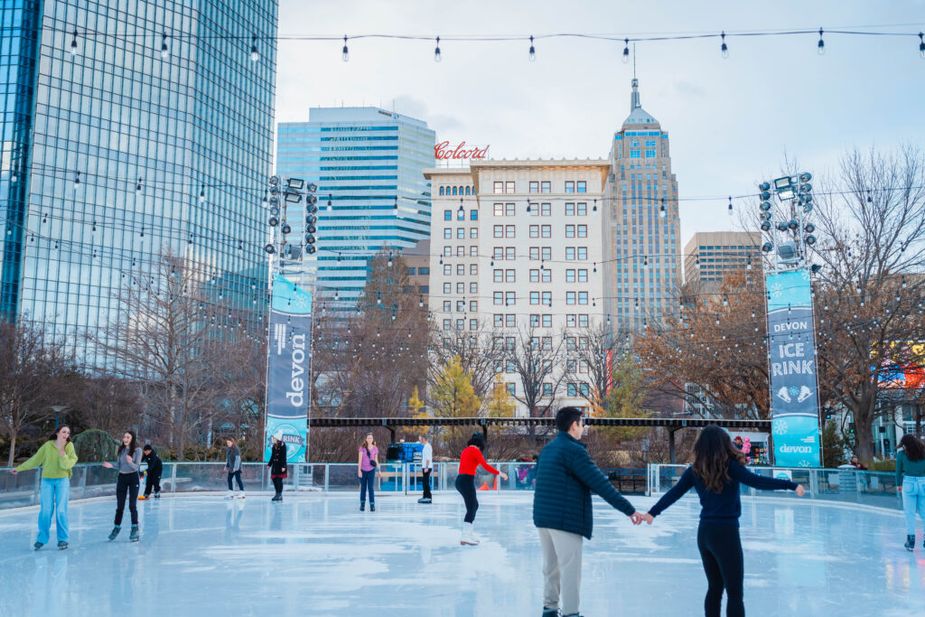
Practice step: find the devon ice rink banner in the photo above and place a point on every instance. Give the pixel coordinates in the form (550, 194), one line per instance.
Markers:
(794, 384)
(288, 367)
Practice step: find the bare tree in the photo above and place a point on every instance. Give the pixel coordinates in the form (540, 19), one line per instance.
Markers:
(872, 248)
(536, 361)
(597, 351)
(477, 354)
(32, 372)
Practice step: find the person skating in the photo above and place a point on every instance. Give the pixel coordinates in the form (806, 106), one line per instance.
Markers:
(716, 474)
(233, 467)
(153, 474)
(910, 482)
(469, 461)
(367, 468)
(128, 460)
(565, 478)
(277, 464)
(57, 458)
(427, 466)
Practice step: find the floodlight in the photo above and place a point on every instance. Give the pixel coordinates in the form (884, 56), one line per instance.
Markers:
(292, 198)
(269, 248)
(764, 186)
(810, 239)
(787, 253)
(311, 187)
(765, 205)
(311, 199)
(295, 184)
(273, 222)
(285, 228)
(765, 226)
(809, 228)
(274, 180)
(806, 176)
(767, 247)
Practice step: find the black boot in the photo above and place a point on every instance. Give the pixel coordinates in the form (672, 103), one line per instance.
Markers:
(362, 506)
(910, 542)
(134, 536)
(372, 506)
(115, 532)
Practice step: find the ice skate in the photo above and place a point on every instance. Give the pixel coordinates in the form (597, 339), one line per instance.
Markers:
(135, 535)
(38, 545)
(910, 542)
(468, 537)
(115, 532)
(62, 545)
(550, 612)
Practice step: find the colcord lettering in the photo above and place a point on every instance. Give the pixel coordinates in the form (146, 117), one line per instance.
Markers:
(443, 151)
(297, 385)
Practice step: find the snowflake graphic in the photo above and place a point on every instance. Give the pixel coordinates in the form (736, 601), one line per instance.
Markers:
(300, 301)
(781, 427)
(804, 463)
(777, 290)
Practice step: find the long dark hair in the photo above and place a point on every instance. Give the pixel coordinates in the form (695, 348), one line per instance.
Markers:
(477, 440)
(54, 436)
(132, 446)
(712, 453)
(913, 446)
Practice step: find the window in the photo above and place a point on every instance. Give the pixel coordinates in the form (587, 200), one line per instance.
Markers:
(547, 321)
(569, 186)
(571, 389)
(447, 270)
(547, 253)
(511, 387)
(582, 297)
(569, 209)
(473, 233)
(534, 231)
(534, 320)
(473, 324)
(582, 231)
(498, 320)
(582, 186)
(474, 250)
(510, 298)
(571, 343)
(546, 209)
(473, 306)
(460, 269)
(547, 388)
(584, 389)
(510, 320)
(498, 253)
(584, 367)
(441, 190)
(547, 343)
(447, 306)
(499, 187)
(460, 251)
(510, 276)
(547, 231)
(582, 208)
(498, 276)
(545, 186)
(473, 286)
(424, 270)
(570, 276)
(498, 209)
(460, 214)
(582, 253)
(547, 275)
(447, 288)
(569, 231)
(473, 269)
(534, 253)
(582, 342)
(498, 231)
(447, 215)
(547, 298)
(570, 320)
(447, 251)
(534, 186)
(448, 233)
(447, 324)
(570, 253)
(509, 209)
(634, 154)
(509, 231)
(509, 187)
(460, 288)
(460, 233)
(570, 297)
(473, 215)
(650, 153)
(460, 306)
(498, 298)
(534, 298)
(583, 275)
(509, 253)
(460, 324)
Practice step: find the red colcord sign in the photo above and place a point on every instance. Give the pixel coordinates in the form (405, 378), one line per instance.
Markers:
(444, 151)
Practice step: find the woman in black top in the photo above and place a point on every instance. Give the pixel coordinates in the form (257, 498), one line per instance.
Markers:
(277, 464)
(716, 474)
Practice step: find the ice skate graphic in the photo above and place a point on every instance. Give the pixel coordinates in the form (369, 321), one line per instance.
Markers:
(805, 393)
(784, 395)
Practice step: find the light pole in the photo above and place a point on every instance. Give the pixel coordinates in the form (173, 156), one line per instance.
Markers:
(793, 234)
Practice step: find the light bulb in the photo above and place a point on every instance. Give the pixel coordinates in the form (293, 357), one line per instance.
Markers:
(165, 52)
(74, 43)
(255, 55)
(532, 55)
(922, 44)
(724, 49)
(820, 47)
(345, 53)
(626, 51)
(437, 56)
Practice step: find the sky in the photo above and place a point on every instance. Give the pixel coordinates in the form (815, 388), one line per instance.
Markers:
(732, 122)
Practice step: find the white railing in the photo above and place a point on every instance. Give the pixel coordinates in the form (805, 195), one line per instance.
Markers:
(843, 485)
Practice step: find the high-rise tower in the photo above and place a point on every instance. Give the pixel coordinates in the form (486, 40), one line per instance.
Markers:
(642, 246)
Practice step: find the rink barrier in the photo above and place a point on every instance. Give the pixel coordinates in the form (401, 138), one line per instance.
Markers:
(849, 486)
(89, 480)
(93, 480)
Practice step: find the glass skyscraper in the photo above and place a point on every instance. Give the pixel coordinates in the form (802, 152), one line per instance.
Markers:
(368, 164)
(132, 128)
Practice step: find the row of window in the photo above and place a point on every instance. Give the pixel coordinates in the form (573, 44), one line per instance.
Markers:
(460, 270)
(461, 251)
(540, 186)
(460, 233)
(460, 288)
(536, 209)
(540, 231)
(457, 190)
(422, 271)
(460, 215)
(460, 306)
(544, 275)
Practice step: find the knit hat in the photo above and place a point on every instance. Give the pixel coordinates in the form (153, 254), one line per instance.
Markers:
(278, 435)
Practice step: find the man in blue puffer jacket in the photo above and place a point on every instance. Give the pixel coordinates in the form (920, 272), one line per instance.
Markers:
(565, 478)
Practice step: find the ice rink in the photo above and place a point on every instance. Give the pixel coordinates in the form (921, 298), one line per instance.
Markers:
(316, 554)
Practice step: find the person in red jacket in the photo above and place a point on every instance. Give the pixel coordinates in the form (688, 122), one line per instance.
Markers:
(469, 461)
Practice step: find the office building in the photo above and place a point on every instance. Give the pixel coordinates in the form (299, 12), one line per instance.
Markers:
(709, 256)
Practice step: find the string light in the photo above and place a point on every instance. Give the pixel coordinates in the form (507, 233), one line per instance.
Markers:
(138, 186)
(437, 55)
(202, 194)
(626, 51)
(724, 49)
(345, 53)
(165, 52)
(922, 44)
(532, 53)
(77, 181)
(74, 43)
(820, 46)
(255, 55)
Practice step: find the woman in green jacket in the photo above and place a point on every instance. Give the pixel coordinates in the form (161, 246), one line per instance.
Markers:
(910, 481)
(56, 457)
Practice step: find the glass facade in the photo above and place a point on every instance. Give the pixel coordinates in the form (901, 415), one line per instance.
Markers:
(116, 151)
(368, 164)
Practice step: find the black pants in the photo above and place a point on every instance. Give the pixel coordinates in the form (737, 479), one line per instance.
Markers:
(237, 476)
(426, 473)
(721, 553)
(152, 481)
(278, 485)
(127, 486)
(368, 483)
(465, 484)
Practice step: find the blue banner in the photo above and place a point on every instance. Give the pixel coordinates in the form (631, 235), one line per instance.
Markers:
(289, 355)
(792, 370)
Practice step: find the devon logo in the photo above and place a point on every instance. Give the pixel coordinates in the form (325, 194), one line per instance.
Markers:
(785, 449)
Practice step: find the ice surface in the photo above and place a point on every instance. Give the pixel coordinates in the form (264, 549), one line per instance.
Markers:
(316, 554)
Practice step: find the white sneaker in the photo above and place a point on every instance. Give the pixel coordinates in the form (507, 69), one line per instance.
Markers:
(242, 495)
(229, 495)
(468, 537)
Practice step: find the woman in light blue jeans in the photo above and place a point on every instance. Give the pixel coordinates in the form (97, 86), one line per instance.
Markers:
(56, 457)
(910, 481)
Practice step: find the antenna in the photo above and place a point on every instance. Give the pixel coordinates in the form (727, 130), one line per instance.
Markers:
(634, 60)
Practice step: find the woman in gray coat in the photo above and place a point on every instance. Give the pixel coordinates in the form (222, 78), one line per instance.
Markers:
(128, 460)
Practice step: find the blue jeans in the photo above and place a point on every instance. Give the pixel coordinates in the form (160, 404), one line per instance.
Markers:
(913, 499)
(368, 483)
(54, 494)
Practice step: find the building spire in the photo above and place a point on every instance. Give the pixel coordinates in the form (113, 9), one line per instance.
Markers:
(634, 97)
